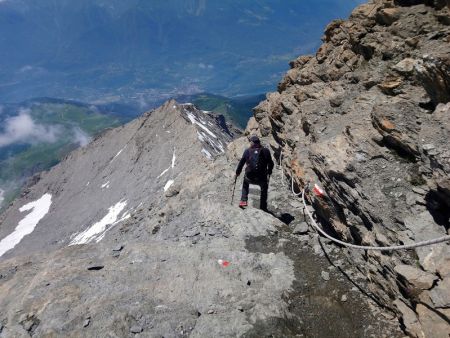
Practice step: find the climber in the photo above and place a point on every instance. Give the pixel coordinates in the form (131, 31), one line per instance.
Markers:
(258, 170)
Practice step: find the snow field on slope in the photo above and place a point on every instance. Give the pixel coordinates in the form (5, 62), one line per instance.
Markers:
(97, 231)
(26, 226)
(194, 121)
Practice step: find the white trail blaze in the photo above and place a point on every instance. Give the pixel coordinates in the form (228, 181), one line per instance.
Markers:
(98, 230)
(26, 226)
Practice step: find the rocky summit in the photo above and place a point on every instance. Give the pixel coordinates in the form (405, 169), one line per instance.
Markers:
(139, 233)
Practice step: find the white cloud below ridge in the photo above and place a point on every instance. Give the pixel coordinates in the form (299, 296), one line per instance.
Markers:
(22, 129)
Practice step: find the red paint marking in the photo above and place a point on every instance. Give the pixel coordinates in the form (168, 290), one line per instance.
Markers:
(223, 263)
(318, 191)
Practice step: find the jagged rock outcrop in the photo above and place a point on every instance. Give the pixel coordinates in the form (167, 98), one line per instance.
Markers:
(367, 117)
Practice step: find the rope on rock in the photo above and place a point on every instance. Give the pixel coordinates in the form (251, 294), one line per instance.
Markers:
(354, 246)
(364, 247)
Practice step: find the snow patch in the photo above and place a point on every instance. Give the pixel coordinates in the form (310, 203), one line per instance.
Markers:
(168, 184)
(87, 184)
(206, 136)
(215, 144)
(200, 136)
(2, 193)
(193, 120)
(165, 171)
(26, 226)
(98, 230)
(120, 151)
(173, 159)
(218, 145)
(106, 185)
(207, 153)
(207, 130)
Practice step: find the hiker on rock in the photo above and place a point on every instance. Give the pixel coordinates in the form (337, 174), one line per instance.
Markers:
(258, 170)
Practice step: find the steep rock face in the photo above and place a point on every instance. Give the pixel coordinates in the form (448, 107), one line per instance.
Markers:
(367, 117)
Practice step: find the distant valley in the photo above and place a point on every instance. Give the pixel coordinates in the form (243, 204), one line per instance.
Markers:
(144, 52)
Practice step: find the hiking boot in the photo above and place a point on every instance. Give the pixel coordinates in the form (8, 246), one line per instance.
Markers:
(243, 204)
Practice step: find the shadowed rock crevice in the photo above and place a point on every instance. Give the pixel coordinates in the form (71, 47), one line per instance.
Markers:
(438, 208)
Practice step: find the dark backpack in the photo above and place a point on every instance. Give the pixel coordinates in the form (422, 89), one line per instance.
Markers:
(254, 170)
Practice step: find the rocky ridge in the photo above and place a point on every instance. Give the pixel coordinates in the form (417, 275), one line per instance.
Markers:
(131, 241)
(135, 235)
(367, 117)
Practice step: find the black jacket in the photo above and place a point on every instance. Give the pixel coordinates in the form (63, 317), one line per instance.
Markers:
(265, 158)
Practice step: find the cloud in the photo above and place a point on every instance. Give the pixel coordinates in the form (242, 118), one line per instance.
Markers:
(201, 65)
(80, 137)
(31, 70)
(26, 68)
(22, 129)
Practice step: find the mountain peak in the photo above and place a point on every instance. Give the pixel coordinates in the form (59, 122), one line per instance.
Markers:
(120, 168)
